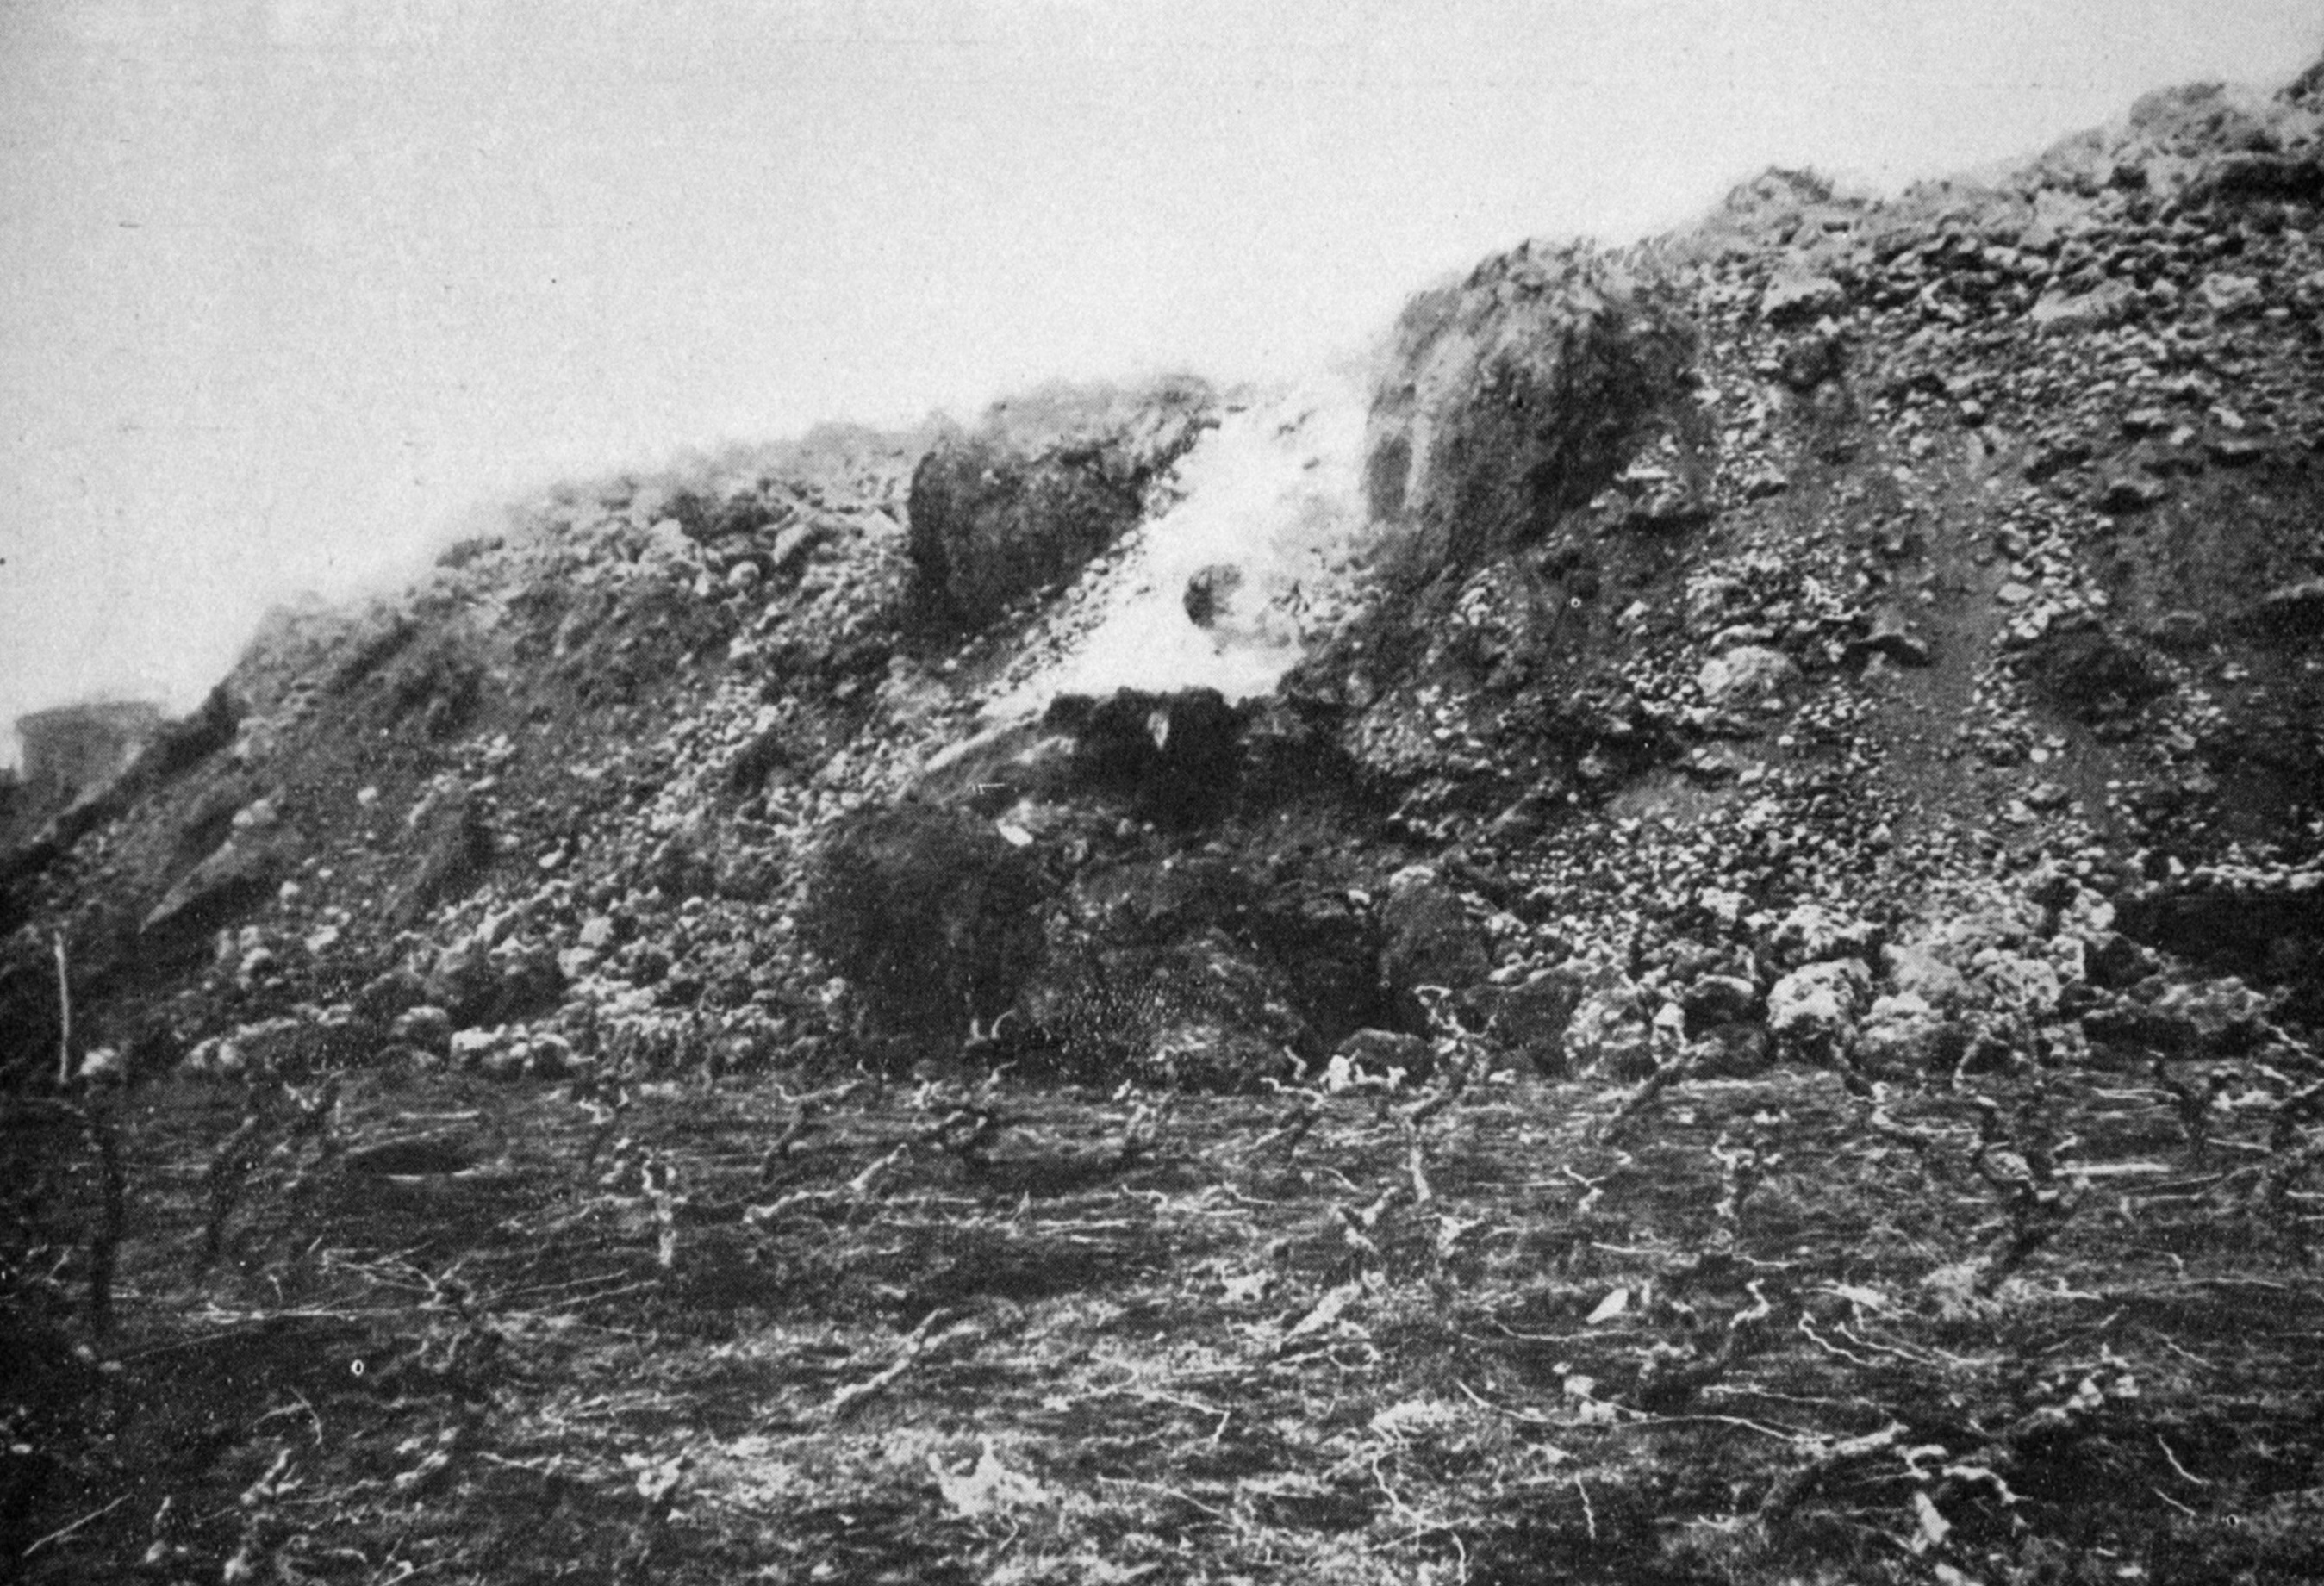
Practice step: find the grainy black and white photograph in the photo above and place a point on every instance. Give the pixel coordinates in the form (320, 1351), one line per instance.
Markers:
(1072, 792)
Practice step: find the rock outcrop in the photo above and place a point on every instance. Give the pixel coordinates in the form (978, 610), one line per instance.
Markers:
(1878, 633)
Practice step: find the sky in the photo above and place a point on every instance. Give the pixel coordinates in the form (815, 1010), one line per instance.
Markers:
(289, 284)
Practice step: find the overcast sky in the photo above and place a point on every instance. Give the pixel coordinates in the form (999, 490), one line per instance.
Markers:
(286, 284)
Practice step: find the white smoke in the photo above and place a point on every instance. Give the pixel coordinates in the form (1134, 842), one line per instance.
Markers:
(1274, 493)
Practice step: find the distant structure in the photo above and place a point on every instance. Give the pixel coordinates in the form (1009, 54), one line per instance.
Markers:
(73, 748)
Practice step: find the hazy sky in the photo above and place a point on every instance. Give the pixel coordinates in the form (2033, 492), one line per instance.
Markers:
(288, 283)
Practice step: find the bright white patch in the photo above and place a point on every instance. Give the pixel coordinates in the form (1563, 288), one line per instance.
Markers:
(1273, 492)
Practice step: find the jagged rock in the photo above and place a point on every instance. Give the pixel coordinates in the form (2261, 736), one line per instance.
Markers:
(1176, 755)
(1810, 934)
(1030, 496)
(1801, 300)
(2113, 961)
(236, 879)
(1891, 639)
(1430, 942)
(1610, 1035)
(2246, 175)
(2016, 981)
(1714, 1000)
(387, 996)
(464, 981)
(2108, 303)
(2130, 492)
(426, 1026)
(1531, 1018)
(1812, 1012)
(2229, 296)
(2221, 1018)
(2295, 611)
(1903, 1037)
(456, 849)
(930, 913)
(1517, 395)
(1731, 1051)
(1746, 673)
(1915, 972)
(2094, 672)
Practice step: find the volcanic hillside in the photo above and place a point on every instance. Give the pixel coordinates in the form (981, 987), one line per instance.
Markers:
(1762, 873)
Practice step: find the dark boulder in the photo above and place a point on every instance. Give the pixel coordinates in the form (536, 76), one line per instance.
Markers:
(455, 850)
(1518, 396)
(2292, 612)
(2250, 176)
(1430, 942)
(932, 916)
(1531, 1019)
(1178, 756)
(237, 878)
(2094, 673)
(1036, 492)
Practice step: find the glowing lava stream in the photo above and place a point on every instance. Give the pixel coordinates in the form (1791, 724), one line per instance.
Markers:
(1273, 494)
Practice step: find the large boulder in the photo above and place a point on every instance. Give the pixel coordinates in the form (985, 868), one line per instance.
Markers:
(1430, 941)
(1746, 673)
(1904, 1037)
(1178, 756)
(1812, 933)
(1040, 488)
(1531, 1019)
(1610, 1035)
(931, 914)
(1516, 396)
(456, 849)
(242, 874)
(1812, 1011)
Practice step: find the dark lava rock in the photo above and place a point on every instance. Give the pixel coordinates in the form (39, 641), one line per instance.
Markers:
(1026, 499)
(1176, 755)
(2095, 673)
(387, 995)
(1719, 999)
(1431, 942)
(2250, 929)
(2129, 493)
(931, 913)
(2259, 176)
(456, 851)
(1541, 371)
(2296, 610)
(1530, 1019)
(223, 888)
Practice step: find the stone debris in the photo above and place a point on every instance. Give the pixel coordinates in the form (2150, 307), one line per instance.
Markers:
(1873, 632)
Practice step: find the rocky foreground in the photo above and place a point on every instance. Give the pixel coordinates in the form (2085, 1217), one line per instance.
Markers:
(1741, 1007)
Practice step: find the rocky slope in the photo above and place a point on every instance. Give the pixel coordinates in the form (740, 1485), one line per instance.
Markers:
(1949, 563)
(1871, 638)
